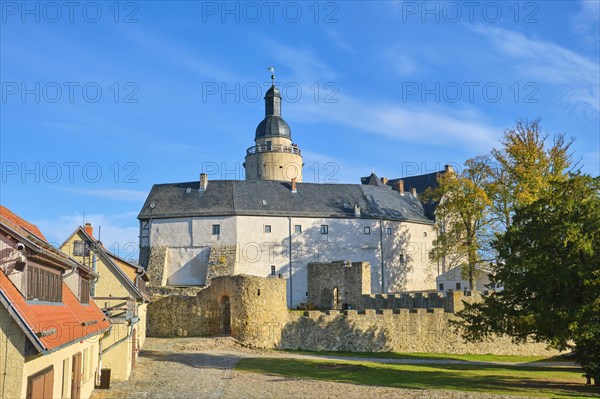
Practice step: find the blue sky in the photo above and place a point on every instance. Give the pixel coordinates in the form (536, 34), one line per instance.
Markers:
(102, 100)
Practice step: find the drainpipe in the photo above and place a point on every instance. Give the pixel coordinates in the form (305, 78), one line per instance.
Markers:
(95, 278)
(381, 255)
(290, 260)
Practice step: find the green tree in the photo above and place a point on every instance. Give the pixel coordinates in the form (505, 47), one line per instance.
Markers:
(526, 163)
(461, 216)
(550, 270)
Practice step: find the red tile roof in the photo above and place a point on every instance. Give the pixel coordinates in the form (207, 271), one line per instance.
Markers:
(22, 223)
(71, 319)
(54, 324)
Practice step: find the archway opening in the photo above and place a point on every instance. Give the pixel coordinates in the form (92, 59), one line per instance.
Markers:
(225, 316)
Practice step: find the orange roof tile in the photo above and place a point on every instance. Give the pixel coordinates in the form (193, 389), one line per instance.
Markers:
(22, 223)
(72, 320)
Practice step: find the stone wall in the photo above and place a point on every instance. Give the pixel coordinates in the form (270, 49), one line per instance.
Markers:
(387, 330)
(157, 266)
(330, 285)
(257, 311)
(221, 261)
(351, 282)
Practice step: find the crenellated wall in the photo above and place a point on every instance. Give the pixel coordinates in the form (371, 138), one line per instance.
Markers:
(391, 330)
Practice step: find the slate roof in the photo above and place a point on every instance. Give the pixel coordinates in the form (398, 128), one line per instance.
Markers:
(419, 182)
(242, 197)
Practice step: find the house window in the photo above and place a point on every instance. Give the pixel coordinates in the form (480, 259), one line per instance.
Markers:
(81, 248)
(367, 230)
(441, 287)
(388, 231)
(84, 290)
(402, 260)
(272, 270)
(324, 229)
(458, 286)
(216, 229)
(43, 284)
(267, 228)
(298, 228)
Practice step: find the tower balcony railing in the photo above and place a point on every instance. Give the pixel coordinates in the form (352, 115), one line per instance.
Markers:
(293, 149)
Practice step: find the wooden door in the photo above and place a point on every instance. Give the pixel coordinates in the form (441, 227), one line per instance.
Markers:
(76, 377)
(40, 385)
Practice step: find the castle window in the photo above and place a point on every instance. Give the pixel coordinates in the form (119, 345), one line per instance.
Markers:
(298, 228)
(324, 229)
(458, 286)
(424, 234)
(402, 260)
(272, 270)
(216, 229)
(441, 287)
(388, 231)
(367, 230)
(267, 228)
(81, 248)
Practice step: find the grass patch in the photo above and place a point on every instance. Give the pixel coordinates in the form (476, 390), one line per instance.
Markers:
(501, 379)
(437, 356)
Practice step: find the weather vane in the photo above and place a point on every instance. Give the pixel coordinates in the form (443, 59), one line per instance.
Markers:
(272, 70)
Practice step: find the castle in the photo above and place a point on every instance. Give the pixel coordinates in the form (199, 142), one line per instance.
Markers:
(274, 224)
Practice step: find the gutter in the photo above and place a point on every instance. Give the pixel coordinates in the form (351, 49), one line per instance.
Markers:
(21, 323)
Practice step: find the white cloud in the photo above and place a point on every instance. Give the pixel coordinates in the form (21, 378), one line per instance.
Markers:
(576, 76)
(109, 193)
(118, 232)
(425, 124)
(586, 22)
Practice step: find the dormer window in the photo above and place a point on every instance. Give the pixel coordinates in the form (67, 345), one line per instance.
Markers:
(43, 284)
(84, 290)
(81, 248)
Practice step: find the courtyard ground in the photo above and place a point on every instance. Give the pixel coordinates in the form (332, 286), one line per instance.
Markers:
(206, 368)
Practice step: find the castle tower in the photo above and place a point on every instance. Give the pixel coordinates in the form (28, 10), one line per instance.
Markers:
(273, 155)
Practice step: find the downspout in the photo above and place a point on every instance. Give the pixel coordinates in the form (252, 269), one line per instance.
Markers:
(131, 324)
(381, 255)
(290, 258)
(95, 278)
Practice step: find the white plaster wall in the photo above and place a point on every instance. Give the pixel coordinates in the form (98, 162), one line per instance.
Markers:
(171, 232)
(257, 251)
(187, 266)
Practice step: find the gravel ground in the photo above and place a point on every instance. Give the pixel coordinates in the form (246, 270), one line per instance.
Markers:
(204, 368)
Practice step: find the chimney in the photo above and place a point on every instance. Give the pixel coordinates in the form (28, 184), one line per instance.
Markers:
(399, 186)
(448, 169)
(89, 229)
(384, 180)
(203, 181)
(294, 185)
(357, 211)
(413, 192)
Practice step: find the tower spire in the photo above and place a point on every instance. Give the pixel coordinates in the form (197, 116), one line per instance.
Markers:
(272, 98)
(272, 70)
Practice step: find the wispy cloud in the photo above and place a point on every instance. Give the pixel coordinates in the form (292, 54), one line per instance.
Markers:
(116, 194)
(576, 76)
(428, 125)
(586, 22)
(338, 40)
(118, 232)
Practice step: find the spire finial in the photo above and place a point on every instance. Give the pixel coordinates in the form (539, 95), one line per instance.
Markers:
(272, 70)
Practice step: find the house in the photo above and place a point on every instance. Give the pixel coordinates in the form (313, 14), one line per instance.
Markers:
(119, 292)
(49, 329)
(456, 279)
(273, 224)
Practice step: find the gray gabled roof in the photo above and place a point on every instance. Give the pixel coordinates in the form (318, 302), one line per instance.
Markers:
(275, 198)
